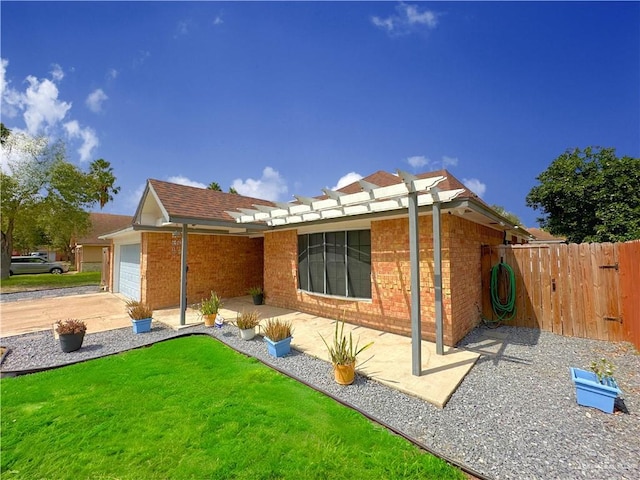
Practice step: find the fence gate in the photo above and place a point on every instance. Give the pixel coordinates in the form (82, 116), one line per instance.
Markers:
(571, 290)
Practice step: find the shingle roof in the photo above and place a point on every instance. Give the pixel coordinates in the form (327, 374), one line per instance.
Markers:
(102, 223)
(201, 203)
(384, 179)
(543, 235)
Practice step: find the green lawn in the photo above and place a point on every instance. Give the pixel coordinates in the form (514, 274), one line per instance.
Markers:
(192, 408)
(18, 283)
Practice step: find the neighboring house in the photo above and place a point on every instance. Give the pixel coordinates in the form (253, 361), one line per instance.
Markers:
(542, 236)
(343, 255)
(89, 249)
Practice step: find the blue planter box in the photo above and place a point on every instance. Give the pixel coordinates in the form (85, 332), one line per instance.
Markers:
(278, 349)
(141, 326)
(591, 393)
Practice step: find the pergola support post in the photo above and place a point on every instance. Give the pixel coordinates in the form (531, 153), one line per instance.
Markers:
(437, 277)
(183, 276)
(414, 260)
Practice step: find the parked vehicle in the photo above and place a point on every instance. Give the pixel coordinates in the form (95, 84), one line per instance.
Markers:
(33, 264)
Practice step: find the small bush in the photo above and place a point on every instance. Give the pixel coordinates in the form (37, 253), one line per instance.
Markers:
(247, 320)
(138, 310)
(277, 330)
(343, 351)
(211, 305)
(70, 326)
(253, 291)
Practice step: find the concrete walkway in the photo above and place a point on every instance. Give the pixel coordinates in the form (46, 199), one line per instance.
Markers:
(388, 361)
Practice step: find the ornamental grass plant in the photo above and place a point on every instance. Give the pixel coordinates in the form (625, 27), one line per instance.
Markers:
(277, 330)
(138, 310)
(343, 351)
(247, 320)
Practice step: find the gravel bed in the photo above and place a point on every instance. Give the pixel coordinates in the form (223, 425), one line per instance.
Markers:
(513, 417)
(52, 292)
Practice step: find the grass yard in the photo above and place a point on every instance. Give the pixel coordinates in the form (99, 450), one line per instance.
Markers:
(192, 408)
(20, 283)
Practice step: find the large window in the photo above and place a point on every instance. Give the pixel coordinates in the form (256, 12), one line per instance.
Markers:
(335, 263)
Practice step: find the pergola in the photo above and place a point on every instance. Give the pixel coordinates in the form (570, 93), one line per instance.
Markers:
(411, 193)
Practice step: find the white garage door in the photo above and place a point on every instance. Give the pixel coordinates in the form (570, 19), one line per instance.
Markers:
(129, 280)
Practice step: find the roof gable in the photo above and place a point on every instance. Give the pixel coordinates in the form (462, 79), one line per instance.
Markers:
(182, 201)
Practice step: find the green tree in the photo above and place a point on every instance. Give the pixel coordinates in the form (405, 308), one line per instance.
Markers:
(233, 190)
(589, 195)
(101, 173)
(43, 195)
(214, 186)
(512, 217)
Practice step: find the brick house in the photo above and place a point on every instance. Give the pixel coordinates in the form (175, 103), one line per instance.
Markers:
(351, 261)
(90, 249)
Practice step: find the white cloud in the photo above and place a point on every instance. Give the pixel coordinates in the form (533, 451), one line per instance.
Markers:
(95, 99)
(475, 185)
(271, 186)
(418, 161)
(42, 108)
(39, 103)
(179, 179)
(347, 179)
(218, 20)
(407, 19)
(57, 74)
(132, 199)
(112, 74)
(449, 161)
(87, 135)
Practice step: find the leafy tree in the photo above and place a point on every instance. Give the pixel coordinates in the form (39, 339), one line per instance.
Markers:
(512, 217)
(589, 195)
(233, 190)
(43, 195)
(101, 173)
(214, 186)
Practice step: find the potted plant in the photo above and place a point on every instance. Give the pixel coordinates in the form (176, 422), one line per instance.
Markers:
(258, 295)
(277, 336)
(596, 388)
(343, 354)
(140, 315)
(247, 323)
(71, 334)
(209, 308)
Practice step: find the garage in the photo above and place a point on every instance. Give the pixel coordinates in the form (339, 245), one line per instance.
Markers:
(129, 276)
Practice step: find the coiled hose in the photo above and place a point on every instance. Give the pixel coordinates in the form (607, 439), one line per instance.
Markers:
(503, 310)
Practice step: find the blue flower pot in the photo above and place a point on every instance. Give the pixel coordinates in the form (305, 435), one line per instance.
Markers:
(591, 393)
(278, 349)
(142, 325)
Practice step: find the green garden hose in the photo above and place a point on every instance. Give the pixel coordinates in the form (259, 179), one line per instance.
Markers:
(505, 309)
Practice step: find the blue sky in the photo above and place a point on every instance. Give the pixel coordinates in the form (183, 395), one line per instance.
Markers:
(283, 98)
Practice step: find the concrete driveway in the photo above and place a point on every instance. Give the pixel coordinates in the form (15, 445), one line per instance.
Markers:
(100, 311)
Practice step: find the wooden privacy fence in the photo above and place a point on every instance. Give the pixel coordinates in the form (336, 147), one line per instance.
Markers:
(589, 290)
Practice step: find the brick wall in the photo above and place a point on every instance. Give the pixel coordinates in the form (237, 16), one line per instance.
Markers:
(226, 264)
(465, 239)
(390, 306)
